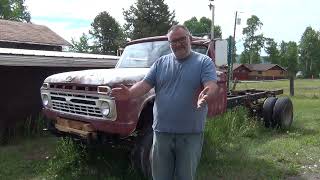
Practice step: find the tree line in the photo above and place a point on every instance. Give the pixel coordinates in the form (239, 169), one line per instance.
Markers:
(303, 56)
(145, 18)
(152, 17)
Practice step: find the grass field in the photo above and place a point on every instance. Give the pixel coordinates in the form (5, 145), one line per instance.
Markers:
(303, 88)
(236, 147)
(275, 154)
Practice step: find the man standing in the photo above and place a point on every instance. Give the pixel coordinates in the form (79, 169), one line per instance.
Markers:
(179, 113)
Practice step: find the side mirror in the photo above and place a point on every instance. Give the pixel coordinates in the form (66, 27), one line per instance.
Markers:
(221, 52)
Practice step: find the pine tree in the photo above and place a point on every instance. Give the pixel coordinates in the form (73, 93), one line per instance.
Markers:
(14, 10)
(148, 18)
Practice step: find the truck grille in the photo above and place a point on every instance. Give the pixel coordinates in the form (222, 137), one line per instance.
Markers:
(78, 104)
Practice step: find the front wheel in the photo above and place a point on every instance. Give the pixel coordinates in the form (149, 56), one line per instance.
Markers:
(141, 154)
(145, 154)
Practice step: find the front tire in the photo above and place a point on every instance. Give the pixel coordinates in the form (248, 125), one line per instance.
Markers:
(145, 155)
(141, 154)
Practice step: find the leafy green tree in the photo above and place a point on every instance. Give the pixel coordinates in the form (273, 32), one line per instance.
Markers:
(244, 57)
(14, 10)
(253, 42)
(81, 46)
(107, 34)
(148, 18)
(250, 57)
(289, 56)
(309, 49)
(271, 49)
(283, 54)
(202, 27)
(289, 53)
(292, 57)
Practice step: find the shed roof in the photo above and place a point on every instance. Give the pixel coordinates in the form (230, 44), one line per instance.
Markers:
(21, 57)
(258, 67)
(19, 32)
(263, 67)
(236, 66)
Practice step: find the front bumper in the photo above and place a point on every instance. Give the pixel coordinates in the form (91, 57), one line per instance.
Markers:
(83, 127)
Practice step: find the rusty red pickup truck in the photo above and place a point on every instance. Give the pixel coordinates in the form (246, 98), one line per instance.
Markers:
(78, 104)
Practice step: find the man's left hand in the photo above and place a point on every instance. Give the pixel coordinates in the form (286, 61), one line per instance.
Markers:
(202, 99)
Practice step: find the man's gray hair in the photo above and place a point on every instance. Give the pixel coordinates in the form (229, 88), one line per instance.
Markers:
(178, 26)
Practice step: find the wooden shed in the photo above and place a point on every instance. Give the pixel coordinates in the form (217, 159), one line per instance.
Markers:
(240, 72)
(258, 72)
(266, 71)
(22, 73)
(21, 35)
(28, 54)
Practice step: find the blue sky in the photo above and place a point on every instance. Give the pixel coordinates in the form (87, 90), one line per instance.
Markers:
(282, 19)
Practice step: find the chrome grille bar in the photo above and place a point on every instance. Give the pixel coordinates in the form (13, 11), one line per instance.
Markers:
(77, 104)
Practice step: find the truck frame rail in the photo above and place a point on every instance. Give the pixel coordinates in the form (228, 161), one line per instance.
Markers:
(244, 97)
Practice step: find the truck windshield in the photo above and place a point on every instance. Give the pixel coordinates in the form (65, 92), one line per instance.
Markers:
(143, 55)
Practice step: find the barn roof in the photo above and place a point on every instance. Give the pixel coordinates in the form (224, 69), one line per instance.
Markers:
(258, 67)
(19, 32)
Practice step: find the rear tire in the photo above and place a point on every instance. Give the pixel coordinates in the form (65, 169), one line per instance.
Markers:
(283, 113)
(268, 112)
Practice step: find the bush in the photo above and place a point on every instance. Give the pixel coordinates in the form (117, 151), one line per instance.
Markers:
(225, 132)
(68, 161)
(76, 161)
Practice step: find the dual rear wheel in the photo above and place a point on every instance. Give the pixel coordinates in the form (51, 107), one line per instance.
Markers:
(278, 112)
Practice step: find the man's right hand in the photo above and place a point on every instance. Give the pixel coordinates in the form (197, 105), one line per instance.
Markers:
(121, 93)
(124, 93)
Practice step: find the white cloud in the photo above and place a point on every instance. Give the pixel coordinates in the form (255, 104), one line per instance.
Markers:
(63, 29)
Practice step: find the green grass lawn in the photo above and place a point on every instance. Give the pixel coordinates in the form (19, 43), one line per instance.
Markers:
(303, 88)
(236, 147)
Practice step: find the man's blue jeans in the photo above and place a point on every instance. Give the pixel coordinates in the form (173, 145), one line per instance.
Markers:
(175, 155)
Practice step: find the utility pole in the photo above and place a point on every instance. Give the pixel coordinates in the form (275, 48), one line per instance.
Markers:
(211, 6)
(236, 21)
(234, 28)
(233, 54)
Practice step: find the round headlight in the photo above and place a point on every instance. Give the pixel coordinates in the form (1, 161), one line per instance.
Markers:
(45, 100)
(105, 108)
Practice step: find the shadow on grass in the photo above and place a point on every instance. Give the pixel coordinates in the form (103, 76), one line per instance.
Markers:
(111, 162)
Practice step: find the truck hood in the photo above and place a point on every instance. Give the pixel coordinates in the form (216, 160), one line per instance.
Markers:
(100, 76)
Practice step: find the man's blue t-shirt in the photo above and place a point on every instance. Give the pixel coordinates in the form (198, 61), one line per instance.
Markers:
(176, 85)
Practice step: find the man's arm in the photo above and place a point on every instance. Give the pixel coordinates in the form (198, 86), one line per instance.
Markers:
(124, 93)
(139, 89)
